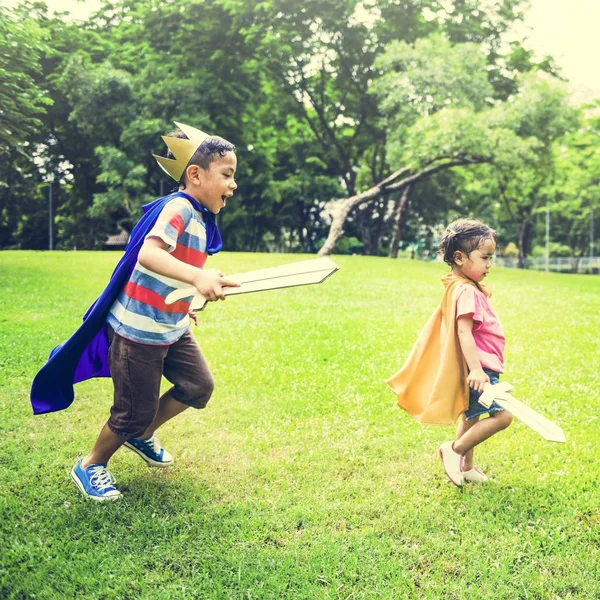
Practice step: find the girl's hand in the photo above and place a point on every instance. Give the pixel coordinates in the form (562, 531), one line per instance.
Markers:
(194, 317)
(477, 380)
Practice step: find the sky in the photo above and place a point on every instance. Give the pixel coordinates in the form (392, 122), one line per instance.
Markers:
(568, 31)
(565, 29)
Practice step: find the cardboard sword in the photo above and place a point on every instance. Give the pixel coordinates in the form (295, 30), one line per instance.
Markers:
(304, 272)
(500, 393)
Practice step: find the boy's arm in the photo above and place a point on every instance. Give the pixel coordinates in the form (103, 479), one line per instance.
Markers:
(210, 283)
(477, 377)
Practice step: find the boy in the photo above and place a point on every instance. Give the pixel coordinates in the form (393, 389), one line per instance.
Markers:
(140, 337)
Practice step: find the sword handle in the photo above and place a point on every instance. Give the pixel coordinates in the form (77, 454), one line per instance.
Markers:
(176, 295)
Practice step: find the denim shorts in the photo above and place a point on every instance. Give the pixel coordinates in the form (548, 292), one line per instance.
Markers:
(475, 409)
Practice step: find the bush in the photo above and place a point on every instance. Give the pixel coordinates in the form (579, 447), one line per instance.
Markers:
(510, 251)
(556, 250)
(348, 245)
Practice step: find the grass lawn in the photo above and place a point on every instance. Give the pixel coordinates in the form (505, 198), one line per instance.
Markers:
(302, 479)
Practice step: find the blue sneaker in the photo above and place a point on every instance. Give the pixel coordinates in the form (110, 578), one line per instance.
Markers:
(151, 451)
(95, 482)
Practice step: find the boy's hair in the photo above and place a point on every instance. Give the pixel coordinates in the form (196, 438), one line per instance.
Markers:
(464, 235)
(207, 152)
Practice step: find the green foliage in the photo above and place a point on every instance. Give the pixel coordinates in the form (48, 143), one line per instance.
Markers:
(323, 100)
(349, 245)
(576, 191)
(22, 42)
(125, 187)
(555, 249)
(510, 251)
(431, 75)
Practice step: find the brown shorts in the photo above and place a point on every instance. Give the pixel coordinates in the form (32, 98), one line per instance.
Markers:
(136, 371)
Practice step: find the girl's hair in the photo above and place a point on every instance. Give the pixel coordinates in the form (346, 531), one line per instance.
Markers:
(465, 235)
(206, 153)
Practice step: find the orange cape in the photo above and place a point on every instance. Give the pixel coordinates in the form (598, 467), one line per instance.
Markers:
(432, 385)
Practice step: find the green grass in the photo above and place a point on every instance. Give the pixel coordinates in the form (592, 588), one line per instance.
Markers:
(302, 479)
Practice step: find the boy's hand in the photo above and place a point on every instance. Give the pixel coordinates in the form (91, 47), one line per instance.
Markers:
(477, 380)
(194, 317)
(210, 284)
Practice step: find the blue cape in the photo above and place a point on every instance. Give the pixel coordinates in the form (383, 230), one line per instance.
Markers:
(85, 354)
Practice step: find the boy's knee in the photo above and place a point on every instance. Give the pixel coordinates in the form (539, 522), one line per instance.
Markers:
(127, 426)
(195, 393)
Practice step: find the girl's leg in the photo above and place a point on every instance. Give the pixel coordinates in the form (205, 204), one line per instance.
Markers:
(481, 431)
(463, 426)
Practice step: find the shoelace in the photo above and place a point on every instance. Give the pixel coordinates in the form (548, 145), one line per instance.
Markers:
(153, 444)
(101, 478)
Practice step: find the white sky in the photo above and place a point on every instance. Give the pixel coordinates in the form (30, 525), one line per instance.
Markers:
(568, 31)
(565, 29)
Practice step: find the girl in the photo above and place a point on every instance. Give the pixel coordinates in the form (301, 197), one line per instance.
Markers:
(468, 247)
(458, 353)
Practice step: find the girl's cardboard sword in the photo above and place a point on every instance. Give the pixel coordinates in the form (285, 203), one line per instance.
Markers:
(303, 272)
(500, 393)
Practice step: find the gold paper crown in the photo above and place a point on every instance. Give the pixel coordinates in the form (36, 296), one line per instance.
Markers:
(181, 149)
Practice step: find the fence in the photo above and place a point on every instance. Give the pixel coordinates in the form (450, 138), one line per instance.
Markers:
(572, 264)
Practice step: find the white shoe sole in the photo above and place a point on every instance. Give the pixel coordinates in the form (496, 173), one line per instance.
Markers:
(149, 461)
(78, 483)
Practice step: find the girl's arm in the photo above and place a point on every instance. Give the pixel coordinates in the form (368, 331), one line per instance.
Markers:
(477, 377)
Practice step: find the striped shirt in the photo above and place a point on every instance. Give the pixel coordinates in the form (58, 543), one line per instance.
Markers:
(140, 313)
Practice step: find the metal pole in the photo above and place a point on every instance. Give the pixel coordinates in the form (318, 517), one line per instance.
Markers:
(592, 233)
(50, 215)
(547, 239)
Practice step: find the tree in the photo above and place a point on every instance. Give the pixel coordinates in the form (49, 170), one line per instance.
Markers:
(416, 86)
(575, 194)
(22, 41)
(539, 116)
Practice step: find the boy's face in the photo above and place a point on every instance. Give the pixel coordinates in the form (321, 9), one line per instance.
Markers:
(213, 187)
(478, 263)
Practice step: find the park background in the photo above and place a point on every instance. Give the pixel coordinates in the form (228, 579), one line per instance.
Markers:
(380, 121)
(302, 479)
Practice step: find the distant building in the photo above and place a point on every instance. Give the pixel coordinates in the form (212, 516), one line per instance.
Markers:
(117, 241)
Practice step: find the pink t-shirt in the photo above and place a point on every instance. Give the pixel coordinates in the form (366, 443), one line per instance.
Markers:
(487, 331)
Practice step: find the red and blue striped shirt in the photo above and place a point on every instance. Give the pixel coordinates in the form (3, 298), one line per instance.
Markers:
(140, 313)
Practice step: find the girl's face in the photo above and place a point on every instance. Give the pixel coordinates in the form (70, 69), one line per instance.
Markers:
(477, 264)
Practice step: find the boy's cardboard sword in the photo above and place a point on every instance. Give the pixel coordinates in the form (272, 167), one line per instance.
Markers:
(304, 272)
(500, 393)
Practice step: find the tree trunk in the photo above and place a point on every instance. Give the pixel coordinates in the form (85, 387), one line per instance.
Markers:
(380, 222)
(336, 229)
(399, 220)
(391, 183)
(365, 217)
(524, 231)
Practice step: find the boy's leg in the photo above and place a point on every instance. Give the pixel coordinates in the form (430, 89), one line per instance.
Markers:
(90, 473)
(136, 370)
(106, 445)
(168, 408)
(481, 431)
(186, 368)
(463, 426)
(193, 383)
